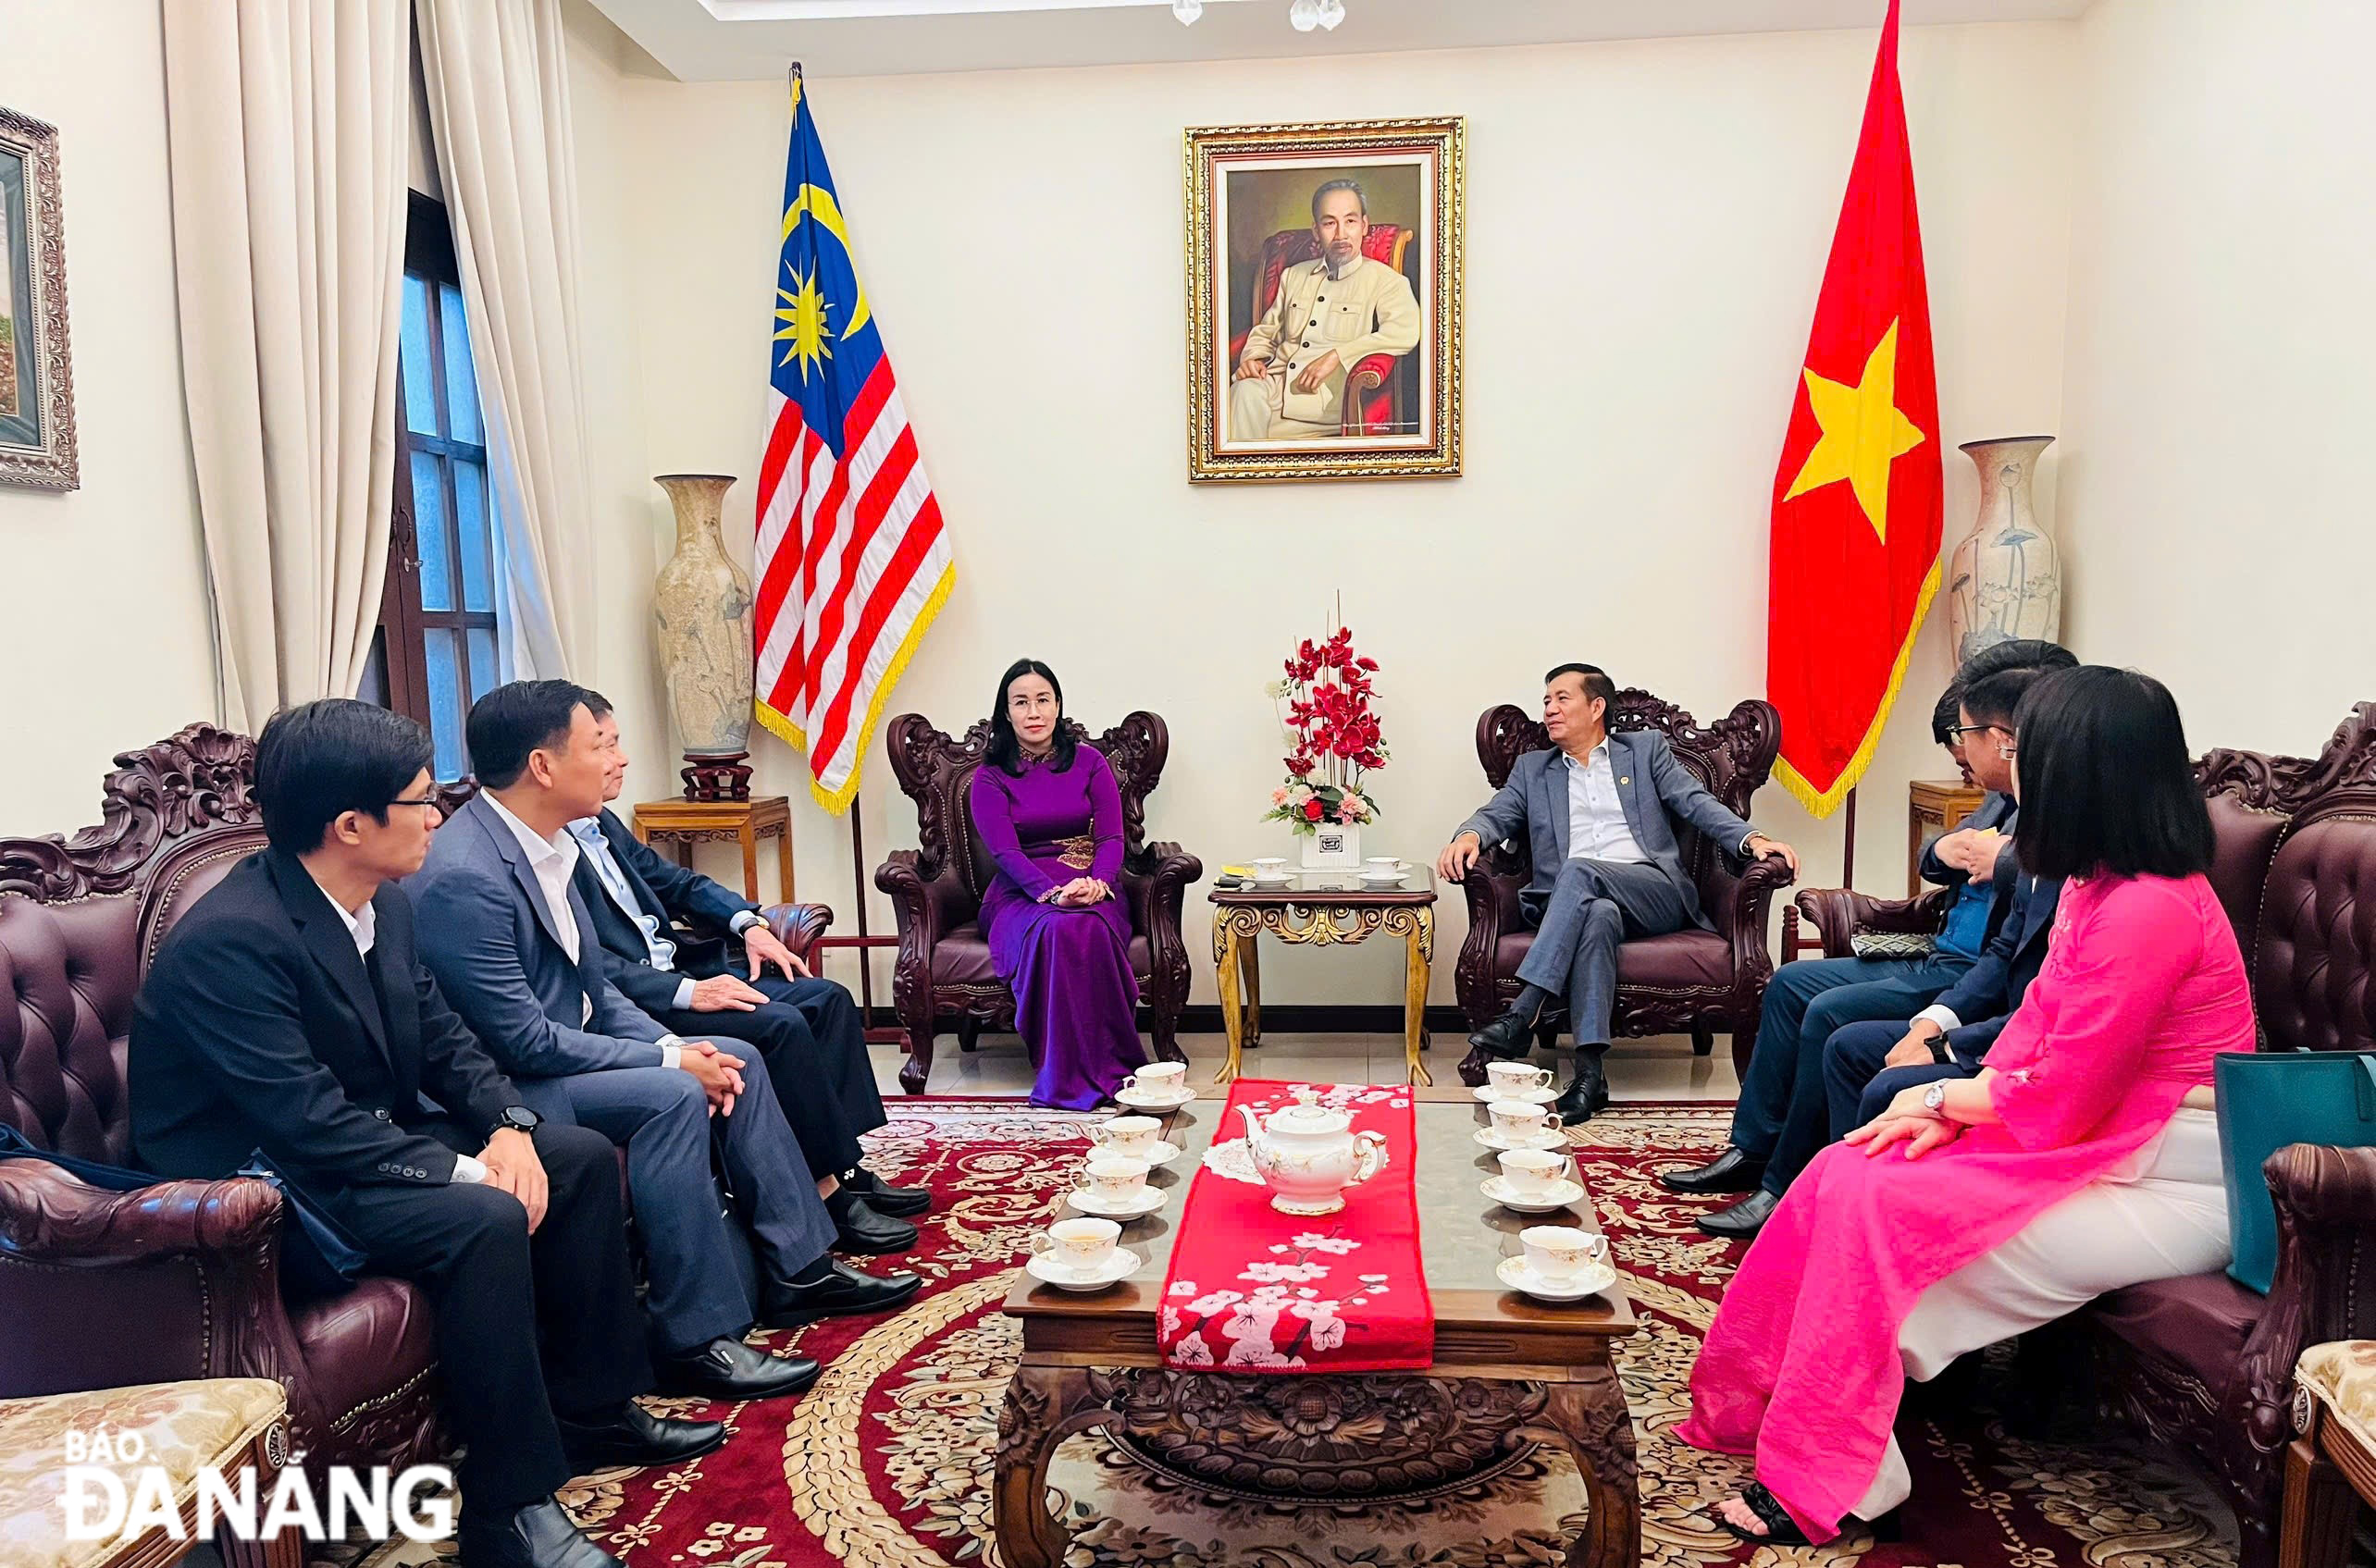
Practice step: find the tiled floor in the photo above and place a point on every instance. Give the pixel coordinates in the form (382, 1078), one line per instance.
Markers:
(1658, 1068)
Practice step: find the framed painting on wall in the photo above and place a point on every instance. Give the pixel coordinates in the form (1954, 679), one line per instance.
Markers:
(36, 380)
(1324, 277)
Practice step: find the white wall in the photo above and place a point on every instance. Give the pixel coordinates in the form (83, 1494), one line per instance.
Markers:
(105, 642)
(2220, 380)
(1648, 222)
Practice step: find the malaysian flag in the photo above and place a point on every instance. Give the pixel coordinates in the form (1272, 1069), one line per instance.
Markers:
(852, 560)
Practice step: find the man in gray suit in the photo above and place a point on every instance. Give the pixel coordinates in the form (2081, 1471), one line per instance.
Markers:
(515, 950)
(1598, 814)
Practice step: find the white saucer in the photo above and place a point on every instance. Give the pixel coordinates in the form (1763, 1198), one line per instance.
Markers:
(1560, 1194)
(1271, 884)
(1501, 1145)
(1514, 1273)
(1120, 1265)
(1149, 1200)
(1543, 1096)
(1162, 1154)
(1394, 879)
(1144, 1102)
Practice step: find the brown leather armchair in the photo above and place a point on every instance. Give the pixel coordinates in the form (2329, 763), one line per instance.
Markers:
(944, 967)
(1695, 981)
(181, 1280)
(2202, 1361)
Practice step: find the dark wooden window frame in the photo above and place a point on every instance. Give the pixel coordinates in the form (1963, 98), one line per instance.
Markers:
(405, 625)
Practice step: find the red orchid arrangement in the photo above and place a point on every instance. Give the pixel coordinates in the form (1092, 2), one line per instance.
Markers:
(1332, 735)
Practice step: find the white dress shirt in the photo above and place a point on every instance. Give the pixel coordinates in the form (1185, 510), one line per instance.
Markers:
(552, 859)
(364, 926)
(1596, 814)
(660, 952)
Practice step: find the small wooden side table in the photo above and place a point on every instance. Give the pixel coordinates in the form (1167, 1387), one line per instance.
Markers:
(1328, 910)
(684, 823)
(1934, 807)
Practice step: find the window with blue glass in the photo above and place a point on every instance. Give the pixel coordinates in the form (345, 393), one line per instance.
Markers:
(437, 650)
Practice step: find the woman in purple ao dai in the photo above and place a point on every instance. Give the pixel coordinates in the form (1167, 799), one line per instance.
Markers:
(1059, 934)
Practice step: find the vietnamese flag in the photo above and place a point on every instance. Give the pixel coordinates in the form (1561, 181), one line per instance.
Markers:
(1856, 497)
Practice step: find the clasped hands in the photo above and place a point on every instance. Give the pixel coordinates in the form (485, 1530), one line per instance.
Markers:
(1971, 851)
(1910, 1123)
(511, 1164)
(1078, 893)
(1310, 380)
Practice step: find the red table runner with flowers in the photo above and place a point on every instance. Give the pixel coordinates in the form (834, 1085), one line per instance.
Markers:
(1252, 1289)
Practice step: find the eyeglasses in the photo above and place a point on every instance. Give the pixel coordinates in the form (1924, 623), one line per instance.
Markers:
(1971, 729)
(425, 800)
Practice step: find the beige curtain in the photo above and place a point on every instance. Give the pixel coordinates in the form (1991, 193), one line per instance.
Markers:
(498, 114)
(286, 126)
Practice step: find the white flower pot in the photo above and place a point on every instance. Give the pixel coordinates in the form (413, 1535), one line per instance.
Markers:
(1332, 846)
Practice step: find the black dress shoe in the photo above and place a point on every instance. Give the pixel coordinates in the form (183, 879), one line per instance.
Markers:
(632, 1435)
(1744, 1220)
(728, 1369)
(1731, 1172)
(1508, 1037)
(1588, 1095)
(859, 1229)
(538, 1536)
(843, 1292)
(899, 1202)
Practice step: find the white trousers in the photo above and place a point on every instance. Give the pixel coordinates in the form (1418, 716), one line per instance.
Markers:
(2161, 1213)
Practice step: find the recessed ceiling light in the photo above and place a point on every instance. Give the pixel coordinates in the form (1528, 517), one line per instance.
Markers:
(1187, 10)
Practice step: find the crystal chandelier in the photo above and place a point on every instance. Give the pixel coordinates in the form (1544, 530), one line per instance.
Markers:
(1304, 14)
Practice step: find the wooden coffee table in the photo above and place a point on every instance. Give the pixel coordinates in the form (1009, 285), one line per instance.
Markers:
(1326, 909)
(1507, 1371)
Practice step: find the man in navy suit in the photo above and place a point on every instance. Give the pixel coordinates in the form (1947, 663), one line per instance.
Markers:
(513, 945)
(1598, 812)
(1784, 1117)
(288, 1014)
(807, 1029)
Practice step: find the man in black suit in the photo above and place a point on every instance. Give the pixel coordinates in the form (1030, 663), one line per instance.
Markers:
(287, 1014)
(807, 1029)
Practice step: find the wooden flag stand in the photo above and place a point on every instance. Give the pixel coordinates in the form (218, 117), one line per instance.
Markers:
(1793, 943)
(863, 944)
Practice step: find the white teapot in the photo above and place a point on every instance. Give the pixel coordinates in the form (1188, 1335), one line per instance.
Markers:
(1309, 1154)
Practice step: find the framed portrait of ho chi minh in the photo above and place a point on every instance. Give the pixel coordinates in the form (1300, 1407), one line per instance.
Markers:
(1324, 275)
(36, 378)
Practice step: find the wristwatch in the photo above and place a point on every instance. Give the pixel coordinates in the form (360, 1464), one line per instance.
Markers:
(519, 1119)
(1937, 1043)
(1934, 1098)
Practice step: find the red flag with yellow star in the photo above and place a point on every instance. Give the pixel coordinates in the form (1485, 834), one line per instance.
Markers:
(1856, 497)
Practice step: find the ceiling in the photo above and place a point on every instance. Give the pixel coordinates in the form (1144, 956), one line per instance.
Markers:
(753, 40)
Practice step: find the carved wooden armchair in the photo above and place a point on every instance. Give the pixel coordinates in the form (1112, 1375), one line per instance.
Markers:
(2202, 1361)
(1379, 390)
(1691, 980)
(944, 967)
(181, 1280)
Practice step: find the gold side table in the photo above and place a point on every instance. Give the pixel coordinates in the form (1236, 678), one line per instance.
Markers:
(684, 823)
(1323, 909)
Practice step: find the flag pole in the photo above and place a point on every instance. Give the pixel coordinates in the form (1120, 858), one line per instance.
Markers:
(1847, 847)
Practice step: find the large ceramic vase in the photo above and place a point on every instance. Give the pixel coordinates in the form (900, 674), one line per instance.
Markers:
(701, 606)
(2006, 577)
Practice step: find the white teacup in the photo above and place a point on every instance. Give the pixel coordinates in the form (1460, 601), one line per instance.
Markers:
(1270, 869)
(1521, 1118)
(1080, 1246)
(1530, 1172)
(1383, 864)
(1517, 1077)
(1112, 1179)
(1561, 1252)
(1158, 1081)
(1131, 1137)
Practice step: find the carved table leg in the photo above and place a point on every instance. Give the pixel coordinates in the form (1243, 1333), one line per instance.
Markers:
(1418, 948)
(1250, 976)
(1590, 1417)
(1225, 971)
(1045, 1405)
(2316, 1532)
(749, 841)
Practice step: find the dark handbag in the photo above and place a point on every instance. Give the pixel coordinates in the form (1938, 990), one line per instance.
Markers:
(317, 1256)
(2267, 1100)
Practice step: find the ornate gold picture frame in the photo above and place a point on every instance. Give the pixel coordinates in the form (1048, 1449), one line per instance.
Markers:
(37, 372)
(1324, 283)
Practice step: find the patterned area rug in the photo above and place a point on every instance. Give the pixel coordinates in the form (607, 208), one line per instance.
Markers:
(886, 1462)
